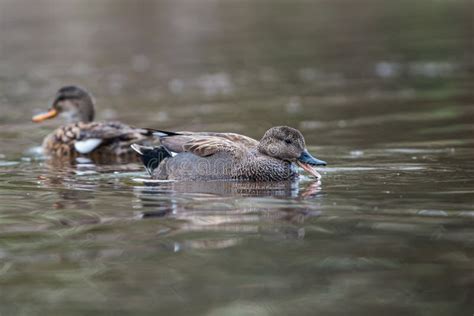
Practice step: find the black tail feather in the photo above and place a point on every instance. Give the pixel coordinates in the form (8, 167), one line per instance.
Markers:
(161, 133)
(151, 156)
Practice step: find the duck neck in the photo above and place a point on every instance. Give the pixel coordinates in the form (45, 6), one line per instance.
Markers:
(265, 147)
(84, 111)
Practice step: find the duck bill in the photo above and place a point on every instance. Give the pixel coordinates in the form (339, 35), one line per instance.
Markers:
(45, 116)
(307, 162)
(309, 169)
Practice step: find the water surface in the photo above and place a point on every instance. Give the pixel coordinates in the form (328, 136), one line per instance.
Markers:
(382, 90)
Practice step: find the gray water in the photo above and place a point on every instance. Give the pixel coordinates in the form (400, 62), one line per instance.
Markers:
(382, 90)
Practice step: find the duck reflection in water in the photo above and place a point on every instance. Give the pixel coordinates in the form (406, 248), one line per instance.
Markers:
(242, 201)
(231, 210)
(281, 189)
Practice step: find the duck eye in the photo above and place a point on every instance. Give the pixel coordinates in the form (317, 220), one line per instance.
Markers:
(288, 141)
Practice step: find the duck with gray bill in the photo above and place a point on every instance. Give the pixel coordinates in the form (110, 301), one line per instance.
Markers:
(228, 156)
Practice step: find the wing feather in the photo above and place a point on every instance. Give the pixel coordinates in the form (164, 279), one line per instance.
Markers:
(208, 146)
(206, 143)
(202, 146)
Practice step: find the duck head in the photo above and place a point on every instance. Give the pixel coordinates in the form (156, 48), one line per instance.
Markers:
(287, 143)
(72, 102)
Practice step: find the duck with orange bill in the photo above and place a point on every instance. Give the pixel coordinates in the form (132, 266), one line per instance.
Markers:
(81, 136)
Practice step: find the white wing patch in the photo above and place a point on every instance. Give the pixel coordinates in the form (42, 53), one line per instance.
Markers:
(88, 145)
(160, 134)
(137, 148)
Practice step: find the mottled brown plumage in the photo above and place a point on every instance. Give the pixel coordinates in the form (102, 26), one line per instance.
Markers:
(222, 156)
(82, 137)
(206, 140)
